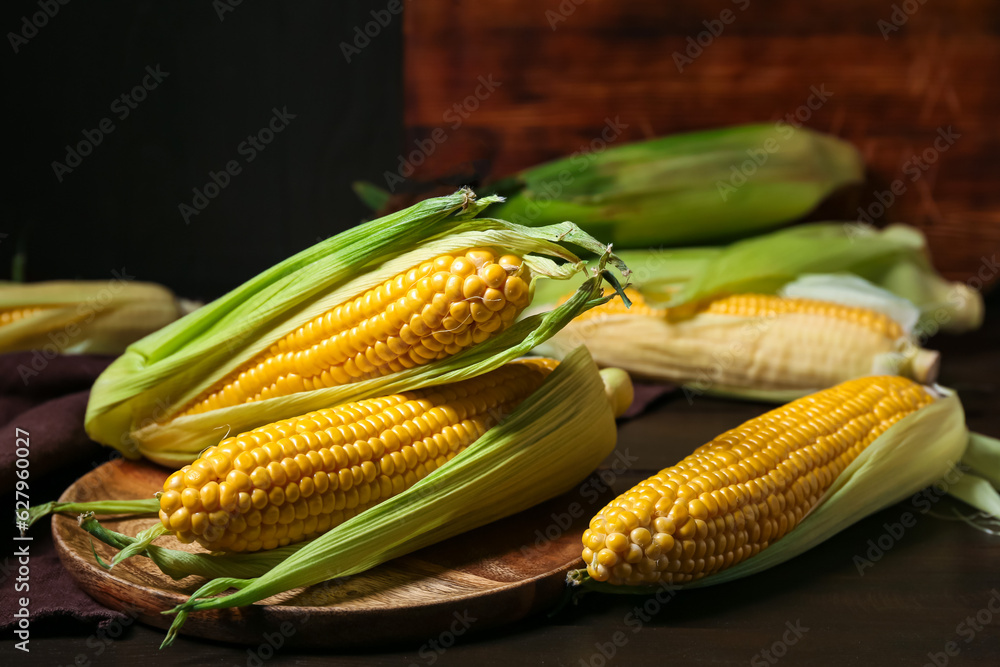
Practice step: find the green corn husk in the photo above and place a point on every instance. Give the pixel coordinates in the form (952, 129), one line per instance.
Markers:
(133, 403)
(689, 188)
(929, 446)
(978, 487)
(895, 259)
(138, 507)
(178, 564)
(85, 316)
(545, 447)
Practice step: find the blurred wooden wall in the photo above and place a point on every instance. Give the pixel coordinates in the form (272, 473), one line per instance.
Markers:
(895, 79)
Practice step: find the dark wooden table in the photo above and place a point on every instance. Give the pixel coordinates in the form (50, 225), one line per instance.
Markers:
(909, 607)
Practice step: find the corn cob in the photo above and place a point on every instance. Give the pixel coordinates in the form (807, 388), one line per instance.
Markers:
(752, 305)
(292, 480)
(744, 490)
(553, 437)
(696, 187)
(420, 297)
(895, 259)
(428, 313)
(82, 317)
(751, 344)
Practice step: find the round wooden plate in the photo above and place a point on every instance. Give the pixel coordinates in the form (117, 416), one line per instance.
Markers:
(494, 575)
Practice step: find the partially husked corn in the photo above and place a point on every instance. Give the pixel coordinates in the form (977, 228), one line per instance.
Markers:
(745, 489)
(292, 480)
(435, 310)
(750, 342)
(424, 295)
(765, 305)
(753, 305)
(83, 316)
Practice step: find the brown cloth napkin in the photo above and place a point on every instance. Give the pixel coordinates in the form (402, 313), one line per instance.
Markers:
(47, 398)
(645, 395)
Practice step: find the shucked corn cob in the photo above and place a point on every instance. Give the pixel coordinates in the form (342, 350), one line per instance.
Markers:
(764, 345)
(432, 311)
(745, 489)
(420, 297)
(292, 480)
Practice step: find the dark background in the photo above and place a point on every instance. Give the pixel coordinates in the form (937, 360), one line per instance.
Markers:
(119, 208)
(562, 77)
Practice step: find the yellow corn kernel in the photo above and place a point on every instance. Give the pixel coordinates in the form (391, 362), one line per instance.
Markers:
(754, 342)
(746, 488)
(750, 305)
(311, 472)
(615, 307)
(10, 315)
(428, 313)
(769, 305)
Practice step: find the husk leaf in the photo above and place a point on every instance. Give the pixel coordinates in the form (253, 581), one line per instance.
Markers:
(681, 189)
(895, 259)
(546, 446)
(133, 404)
(85, 316)
(180, 564)
(920, 449)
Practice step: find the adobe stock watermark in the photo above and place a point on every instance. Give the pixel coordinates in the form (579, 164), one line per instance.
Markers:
(713, 30)
(968, 628)
(636, 619)
(272, 641)
(30, 25)
(740, 174)
(957, 300)
(779, 649)
(223, 7)
(455, 117)
(590, 491)
(559, 15)
(922, 502)
(901, 13)
(100, 641)
(248, 149)
(22, 552)
(580, 160)
(914, 168)
(161, 412)
(120, 107)
(738, 352)
(433, 649)
(363, 35)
